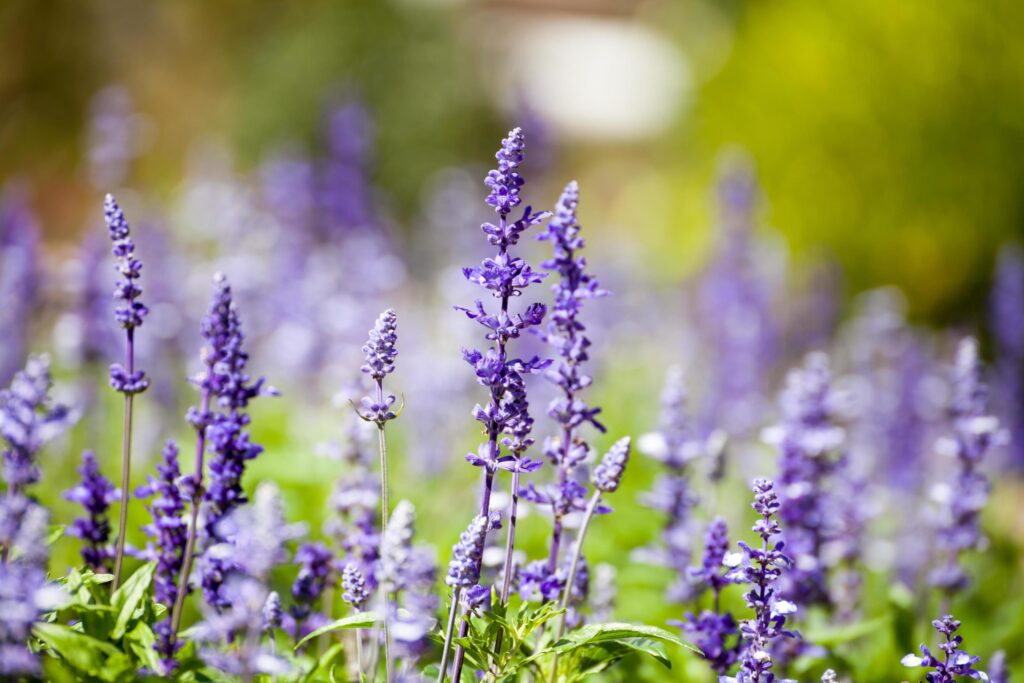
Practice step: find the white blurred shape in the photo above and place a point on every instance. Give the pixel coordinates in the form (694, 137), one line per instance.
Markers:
(609, 79)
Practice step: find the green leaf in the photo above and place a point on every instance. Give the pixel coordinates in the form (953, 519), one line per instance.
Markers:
(359, 620)
(88, 655)
(56, 533)
(325, 665)
(129, 596)
(141, 640)
(831, 636)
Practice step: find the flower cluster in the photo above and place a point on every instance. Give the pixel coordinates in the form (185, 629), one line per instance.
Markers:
(226, 429)
(168, 533)
(28, 419)
(19, 276)
(974, 433)
(761, 568)
(317, 569)
(130, 312)
(954, 662)
(565, 331)
(380, 362)
(95, 494)
(712, 629)
(467, 554)
(24, 590)
(810, 444)
(677, 445)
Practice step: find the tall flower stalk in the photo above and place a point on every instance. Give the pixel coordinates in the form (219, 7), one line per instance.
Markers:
(224, 379)
(125, 379)
(965, 496)
(463, 574)
(761, 568)
(505, 276)
(566, 333)
(95, 494)
(380, 354)
(953, 663)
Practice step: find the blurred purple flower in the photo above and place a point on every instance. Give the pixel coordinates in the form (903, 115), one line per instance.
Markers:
(19, 277)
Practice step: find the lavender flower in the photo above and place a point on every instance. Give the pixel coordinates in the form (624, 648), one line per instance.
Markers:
(24, 590)
(953, 663)
(810, 446)
(396, 551)
(354, 585)
(761, 568)
(316, 572)
(974, 433)
(712, 629)
(565, 332)
(467, 554)
(130, 312)
(28, 419)
(608, 474)
(95, 494)
(735, 306)
(114, 136)
(258, 534)
(380, 362)
(676, 445)
(1007, 325)
(603, 592)
(19, 277)
(273, 615)
(227, 431)
(168, 535)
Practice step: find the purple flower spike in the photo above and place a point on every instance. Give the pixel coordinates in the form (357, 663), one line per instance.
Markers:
(974, 434)
(608, 474)
(95, 494)
(316, 572)
(273, 615)
(168, 533)
(354, 585)
(505, 180)
(811, 446)
(28, 419)
(761, 568)
(467, 554)
(380, 348)
(953, 663)
(130, 311)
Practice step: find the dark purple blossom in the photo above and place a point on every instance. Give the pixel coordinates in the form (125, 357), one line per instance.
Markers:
(467, 554)
(953, 662)
(28, 419)
(167, 533)
(380, 355)
(712, 629)
(316, 571)
(94, 493)
(761, 569)
(130, 311)
(974, 433)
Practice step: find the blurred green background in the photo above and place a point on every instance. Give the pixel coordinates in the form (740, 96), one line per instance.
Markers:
(886, 134)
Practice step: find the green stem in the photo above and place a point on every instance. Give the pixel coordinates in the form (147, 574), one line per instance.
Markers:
(571, 578)
(452, 614)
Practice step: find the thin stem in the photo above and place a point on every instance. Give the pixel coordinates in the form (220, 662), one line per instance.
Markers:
(571, 578)
(126, 458)
(193, 527)
(460, 654)
(384, 511)
(510, 541)
(452, 614)
(359, 654)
